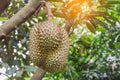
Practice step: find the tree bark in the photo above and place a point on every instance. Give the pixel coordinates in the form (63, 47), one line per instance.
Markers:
(38, 75)
(4, 4)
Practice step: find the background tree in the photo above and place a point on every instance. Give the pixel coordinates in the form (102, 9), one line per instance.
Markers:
(91, 56)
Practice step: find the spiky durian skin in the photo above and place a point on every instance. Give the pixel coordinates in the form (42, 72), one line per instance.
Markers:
(49, 46)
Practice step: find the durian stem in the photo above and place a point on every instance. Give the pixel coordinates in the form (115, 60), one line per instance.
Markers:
(49, 11)
(38, 75)
(50, 15)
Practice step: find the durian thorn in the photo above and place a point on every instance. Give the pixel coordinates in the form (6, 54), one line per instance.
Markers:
(49, 11)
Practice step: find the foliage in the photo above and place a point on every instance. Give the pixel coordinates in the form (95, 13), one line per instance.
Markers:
(99, 61)
(91, 56)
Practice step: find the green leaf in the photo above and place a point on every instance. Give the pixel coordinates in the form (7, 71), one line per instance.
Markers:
(100, 23)
(5, 65)
(17, 62)
(90, 27)
(30, 68)
(3, 18)
(11, 71)
(19, 73)
(113, 2)
(117, 45)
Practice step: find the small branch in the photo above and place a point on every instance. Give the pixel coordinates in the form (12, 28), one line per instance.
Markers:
(69, 27)
(19, 17)
(38, 75)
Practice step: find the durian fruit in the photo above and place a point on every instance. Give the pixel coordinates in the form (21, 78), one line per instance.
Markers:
(49, 46)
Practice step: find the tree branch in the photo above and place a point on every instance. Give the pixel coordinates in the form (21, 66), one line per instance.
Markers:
(69, 27)
(38, 75)
(19, 17)
(4, 4)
